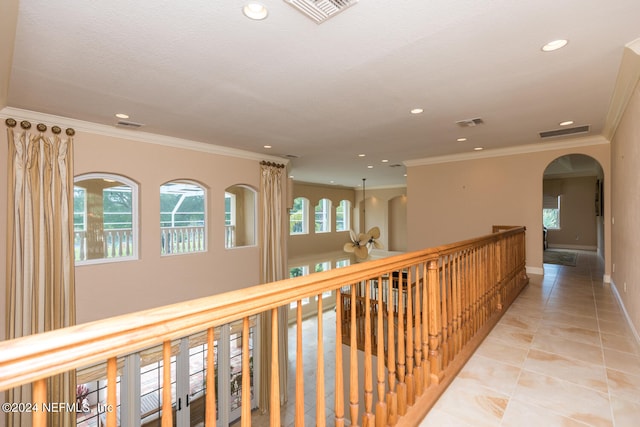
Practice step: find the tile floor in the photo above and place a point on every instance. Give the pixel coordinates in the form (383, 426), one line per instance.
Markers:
(562, 355)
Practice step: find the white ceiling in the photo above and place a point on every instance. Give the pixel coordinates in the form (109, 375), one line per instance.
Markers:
(200, 70)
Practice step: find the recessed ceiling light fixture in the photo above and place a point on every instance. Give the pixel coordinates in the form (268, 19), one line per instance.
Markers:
(361, 155)
(122, 115)
(417, 111)
(479, 148)
(254, 10)
(554, 45)
(461, 139)
(566, 123)
(370, 166)
(385, 161)
(268, 146)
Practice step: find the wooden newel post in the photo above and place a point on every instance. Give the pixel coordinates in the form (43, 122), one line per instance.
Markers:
(499, 274)
(435, 323)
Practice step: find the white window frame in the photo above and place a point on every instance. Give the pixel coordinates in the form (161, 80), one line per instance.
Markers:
(322, 209)
(552, 205)
(304, 220)
(135, 224)
(204, 222)
(345, 206)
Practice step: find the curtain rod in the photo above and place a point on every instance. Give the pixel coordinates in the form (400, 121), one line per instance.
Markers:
(26, 125)
(277, 165)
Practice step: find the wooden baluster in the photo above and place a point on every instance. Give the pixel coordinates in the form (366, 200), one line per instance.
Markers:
(339, 388)
(392, 396)
(444, 300)
(426, 375)
(353, 362)
(167, 410)
(210, 399)
(402, 386)
(381, 405)
(456, 305)
(435, 357)
(368, 417)
(418, 371)
(299, 417)
(320, 403)
(39, 395)
(274, 402)
(409, 380)
(245, 412)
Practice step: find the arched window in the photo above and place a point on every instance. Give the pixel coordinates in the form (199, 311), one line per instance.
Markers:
(343, 216)
(183, 218)
(323, 216)
(105, 218)
(299, 216)
(240, 216)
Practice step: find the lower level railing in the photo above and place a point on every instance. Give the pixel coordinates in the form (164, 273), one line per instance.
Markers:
(422, 313)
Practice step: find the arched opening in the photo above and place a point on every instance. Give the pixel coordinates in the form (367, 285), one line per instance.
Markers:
(573, 207)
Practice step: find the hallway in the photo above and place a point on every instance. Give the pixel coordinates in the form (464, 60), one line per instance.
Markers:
(562, 355)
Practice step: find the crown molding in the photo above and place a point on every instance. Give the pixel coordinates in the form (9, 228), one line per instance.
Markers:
(627, 80)
(510, 151)
(134, 135)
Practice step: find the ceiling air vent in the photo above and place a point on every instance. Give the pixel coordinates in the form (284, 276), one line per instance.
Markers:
(563, 132)
(128, 125)
(321, 10)
(468, 123)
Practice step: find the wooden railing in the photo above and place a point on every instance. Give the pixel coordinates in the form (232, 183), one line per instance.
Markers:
(451, 298)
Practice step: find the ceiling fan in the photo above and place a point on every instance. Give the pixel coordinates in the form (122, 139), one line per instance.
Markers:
(361, 244)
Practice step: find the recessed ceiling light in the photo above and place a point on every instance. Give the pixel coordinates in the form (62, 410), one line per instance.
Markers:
(566, 123)
(555, 45)
(461, 139)
(385, 161)
(122, 116)
(255, 11)
(268, 146)
(479, 148)
(370, 166)
(361, 155)
(417, 111)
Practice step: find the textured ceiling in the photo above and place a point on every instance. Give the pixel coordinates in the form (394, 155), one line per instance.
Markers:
(201, 71)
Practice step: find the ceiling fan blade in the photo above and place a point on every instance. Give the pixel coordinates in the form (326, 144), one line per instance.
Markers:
(377, 245)
(349, 247)
(361, 252)
(374, 232)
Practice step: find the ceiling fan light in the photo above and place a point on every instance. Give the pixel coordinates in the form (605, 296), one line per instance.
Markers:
(554, 45)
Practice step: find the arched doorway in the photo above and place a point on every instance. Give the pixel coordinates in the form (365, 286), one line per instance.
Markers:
(573, 206)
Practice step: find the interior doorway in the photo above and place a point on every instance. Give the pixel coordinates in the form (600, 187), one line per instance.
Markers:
(573, 204)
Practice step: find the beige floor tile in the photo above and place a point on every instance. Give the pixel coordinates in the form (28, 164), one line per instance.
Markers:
(625, 413)
(567, 399)
(620, 361)
(490, 373)
(498, 350)
(573, 349)
(524, 414)
(567, 369)
(624, 386)
(475, 405)
(569, 332)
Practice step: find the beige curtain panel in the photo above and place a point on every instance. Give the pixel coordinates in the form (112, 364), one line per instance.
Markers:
(273, 235)
(40, 255)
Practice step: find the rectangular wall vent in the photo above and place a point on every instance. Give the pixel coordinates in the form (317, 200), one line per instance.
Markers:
(321, 10)
(467, 123)
(563, 132)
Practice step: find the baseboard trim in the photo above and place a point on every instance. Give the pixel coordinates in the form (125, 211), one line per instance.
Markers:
(535, 270)
(575, 247)
(634, 331)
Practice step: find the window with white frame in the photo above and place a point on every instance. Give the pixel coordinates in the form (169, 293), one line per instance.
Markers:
(182, 218)
(298, 216)
(323, 216)
(302, 270)
(551, 212)
(240, 216)
(105, 218)
(343, 216)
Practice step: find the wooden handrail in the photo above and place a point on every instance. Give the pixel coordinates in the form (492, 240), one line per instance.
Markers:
(446, 315)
